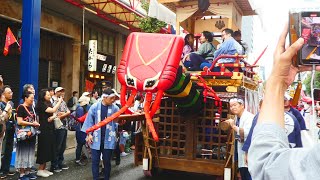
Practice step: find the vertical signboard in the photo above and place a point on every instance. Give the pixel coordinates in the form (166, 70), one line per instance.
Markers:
(92, 55)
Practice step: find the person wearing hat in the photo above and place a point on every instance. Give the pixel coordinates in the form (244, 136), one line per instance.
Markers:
(242, 127)
(102, 140)
(82, 109)
(63, 112)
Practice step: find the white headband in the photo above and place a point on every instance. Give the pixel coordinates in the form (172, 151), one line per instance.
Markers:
(240, 101)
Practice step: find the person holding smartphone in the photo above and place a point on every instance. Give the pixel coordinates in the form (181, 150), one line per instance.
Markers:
(270, 156)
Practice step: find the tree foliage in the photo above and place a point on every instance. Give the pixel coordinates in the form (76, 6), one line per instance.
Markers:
(149, 24)
(307, 82)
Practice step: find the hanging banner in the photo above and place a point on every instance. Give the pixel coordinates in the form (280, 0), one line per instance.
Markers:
(92, 55)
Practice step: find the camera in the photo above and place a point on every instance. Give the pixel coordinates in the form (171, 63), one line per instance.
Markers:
(305, 24)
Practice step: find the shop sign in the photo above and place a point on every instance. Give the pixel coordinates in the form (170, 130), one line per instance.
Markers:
(101, 57)
(92, 55)
(114, 69)
(104, 68)
(107, 66)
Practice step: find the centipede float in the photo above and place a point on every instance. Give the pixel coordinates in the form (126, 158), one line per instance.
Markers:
(182, 124)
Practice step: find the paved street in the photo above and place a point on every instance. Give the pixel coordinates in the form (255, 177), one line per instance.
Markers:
(126, 171)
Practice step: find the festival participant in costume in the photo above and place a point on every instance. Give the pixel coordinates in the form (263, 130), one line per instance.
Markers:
(270, 156)
(241, 127)
(103, 140)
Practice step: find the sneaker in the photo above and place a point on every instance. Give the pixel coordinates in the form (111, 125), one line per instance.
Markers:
(11, 173)
(3, 175)
(123, 154)
(79, 163)
(31, 176)
(42, 173)
(57, 170)
(48, 172)
(24, 177)
(64, 167)
(33, 170)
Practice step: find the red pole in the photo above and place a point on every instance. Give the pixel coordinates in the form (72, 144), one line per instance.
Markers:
(260, 56)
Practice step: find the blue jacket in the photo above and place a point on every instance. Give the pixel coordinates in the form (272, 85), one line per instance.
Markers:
(94, 117)
(228, 47)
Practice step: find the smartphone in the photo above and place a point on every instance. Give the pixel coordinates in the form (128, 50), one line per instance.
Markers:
(306, 24)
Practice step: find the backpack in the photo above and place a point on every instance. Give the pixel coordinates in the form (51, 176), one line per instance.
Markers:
(73, 122)
(70, 102)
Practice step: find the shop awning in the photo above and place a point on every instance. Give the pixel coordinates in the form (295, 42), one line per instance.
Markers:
(120, 12)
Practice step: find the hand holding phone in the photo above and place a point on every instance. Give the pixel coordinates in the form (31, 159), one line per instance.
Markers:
(306, 24)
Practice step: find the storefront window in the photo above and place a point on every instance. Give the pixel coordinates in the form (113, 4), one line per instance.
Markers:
(93, 35)
(100, 40)
(111, 45)
(86, 35)
(105, 44)
(106, 40)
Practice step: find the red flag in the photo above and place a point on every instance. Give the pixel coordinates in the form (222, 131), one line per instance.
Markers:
(89, 86)
(10, 39)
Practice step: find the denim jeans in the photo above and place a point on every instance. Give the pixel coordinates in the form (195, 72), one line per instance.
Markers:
(61, 143)
(81, 141)
(106, 156)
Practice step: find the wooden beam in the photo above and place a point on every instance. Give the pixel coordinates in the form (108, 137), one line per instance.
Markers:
(249, 13)
(169, 1)
(213, 167)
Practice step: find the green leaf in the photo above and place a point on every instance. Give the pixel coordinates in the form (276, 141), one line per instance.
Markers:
(149, 24)
(307, 82)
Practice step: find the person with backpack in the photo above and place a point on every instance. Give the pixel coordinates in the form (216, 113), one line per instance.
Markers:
(72, 102)
(81, 110)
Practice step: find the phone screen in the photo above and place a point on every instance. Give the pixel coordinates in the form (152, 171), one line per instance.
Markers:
(310, 32)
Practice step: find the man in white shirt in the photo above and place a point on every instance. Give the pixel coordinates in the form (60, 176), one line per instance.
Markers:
(242, 127)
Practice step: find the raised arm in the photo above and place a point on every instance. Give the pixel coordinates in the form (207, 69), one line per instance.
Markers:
(55, 108)
(269, 155)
